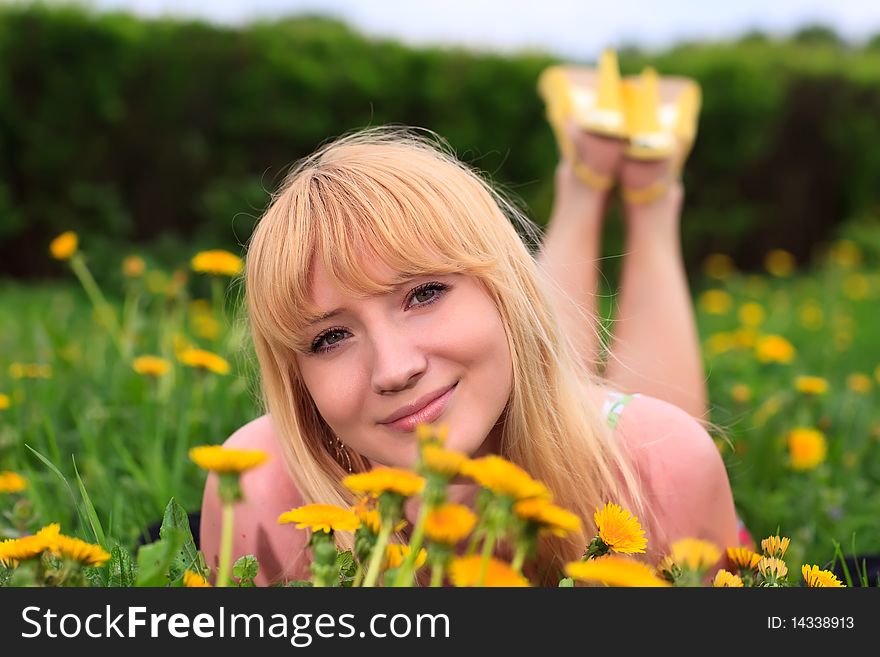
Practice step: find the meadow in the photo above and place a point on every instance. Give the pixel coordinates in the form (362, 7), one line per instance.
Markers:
(102, 434)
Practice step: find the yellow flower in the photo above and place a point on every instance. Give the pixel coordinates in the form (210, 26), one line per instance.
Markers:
(428, 433)
(721, 342)
(620, 530)
(858, 382)
(383, 479)
(321, 518)
(724, 579)
(614, 571)
(774, 349)
(370, 518)
(745, 337)
(719, 266)
(807, 448)
(816, 578)
(29, 547)
(151, 365)
(779, 263)
(205, 326)
(695, 554)
(775, 546)
(811, 316)
(396, 554)
(194, 580)
(856, 287)
(751, 314)
(202, 359)
(811, 385)
(67, 547)
(12, 482)
(442, 461)
(449, 523)
(217, 262)
(226, 460)
(743, 558)
(64, 246)
(5, 402)
(550, 517)
(504, 478)
(772, 566)
(30, 371)
(741, 393)
(715, 302)
(465, 571)
(845, 253)
(133, 266)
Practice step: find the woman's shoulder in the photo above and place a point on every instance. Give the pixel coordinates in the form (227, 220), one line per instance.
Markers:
(267, 492)
(683, 477)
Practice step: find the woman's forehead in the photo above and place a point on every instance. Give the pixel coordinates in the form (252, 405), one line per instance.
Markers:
(323, 289)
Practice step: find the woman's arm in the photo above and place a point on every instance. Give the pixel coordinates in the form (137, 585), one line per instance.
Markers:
(268, 492)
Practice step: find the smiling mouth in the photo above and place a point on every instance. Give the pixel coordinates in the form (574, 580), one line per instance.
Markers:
(428, 414)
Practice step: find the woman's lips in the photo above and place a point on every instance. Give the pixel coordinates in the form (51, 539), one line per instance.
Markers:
(428, 414)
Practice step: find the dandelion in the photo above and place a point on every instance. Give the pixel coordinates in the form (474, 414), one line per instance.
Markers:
(504, 478)
(614, 571)
(466, 571)
(321, 518)
(715, 302)
(695, 554)
(751, 314)
(194, 580)
(807, 448)
(449, 523)
(205, 326)
(856, 287)
(64, 246)
(226, 460)
(151, 366)
(202, 359)
(774, 349)
(811, 385)
(12, 482)
(743, 558)
(774, 546)
(428, 433)
(721, 342)
(30, 371)
(845, 254)
(859, 383)
(779, 263)
(217, 262)
(726, 579)
(396, 554)
(816, 578)
(811, 316)
(741, 393)
(385, 480)
(133, 266)
(619, 531)
(547, 516)
(668, 569)
(719, 266)
(441, 461)
(745, 337)
(773, 571)
(74, 549)
(29, 547)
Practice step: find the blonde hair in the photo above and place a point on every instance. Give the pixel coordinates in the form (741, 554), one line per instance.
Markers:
(404, 199)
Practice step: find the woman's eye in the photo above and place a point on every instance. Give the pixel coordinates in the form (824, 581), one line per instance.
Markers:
(428, 293)
(327, 338)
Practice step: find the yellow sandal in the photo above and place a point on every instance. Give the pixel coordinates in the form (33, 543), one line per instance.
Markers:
(593, 100)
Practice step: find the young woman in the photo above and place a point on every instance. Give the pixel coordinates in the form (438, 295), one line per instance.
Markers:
(386, 276)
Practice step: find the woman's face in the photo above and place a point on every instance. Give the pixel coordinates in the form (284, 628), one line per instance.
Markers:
(380, 354)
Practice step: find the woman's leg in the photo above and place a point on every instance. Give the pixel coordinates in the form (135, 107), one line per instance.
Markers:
(655, 349)
(570, 250)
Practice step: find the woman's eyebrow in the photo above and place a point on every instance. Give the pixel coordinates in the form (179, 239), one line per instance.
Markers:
(402, 280)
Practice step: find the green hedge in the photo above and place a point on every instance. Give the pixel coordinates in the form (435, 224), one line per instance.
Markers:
(172, 134)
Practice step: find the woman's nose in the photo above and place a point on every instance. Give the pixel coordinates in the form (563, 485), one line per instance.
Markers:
(398, 361)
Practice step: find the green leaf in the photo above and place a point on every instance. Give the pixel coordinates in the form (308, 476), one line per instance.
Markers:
(566, 582)
(90, 512)
(346, 564)
(155, 561)
(120, 568)
(176, 519)
(245, 570)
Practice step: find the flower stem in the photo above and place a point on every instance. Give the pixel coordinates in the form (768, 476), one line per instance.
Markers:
(217, 296)
(407, 568)
(488, 547)
(226, 545)
(358, 576)
(437, 575)
(475, 540)
(78, 265)
(378, 553)
(518, 557)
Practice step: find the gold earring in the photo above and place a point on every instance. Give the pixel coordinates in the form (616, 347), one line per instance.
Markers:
(340, 453)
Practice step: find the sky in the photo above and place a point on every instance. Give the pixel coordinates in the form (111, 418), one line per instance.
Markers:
(577, 29)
